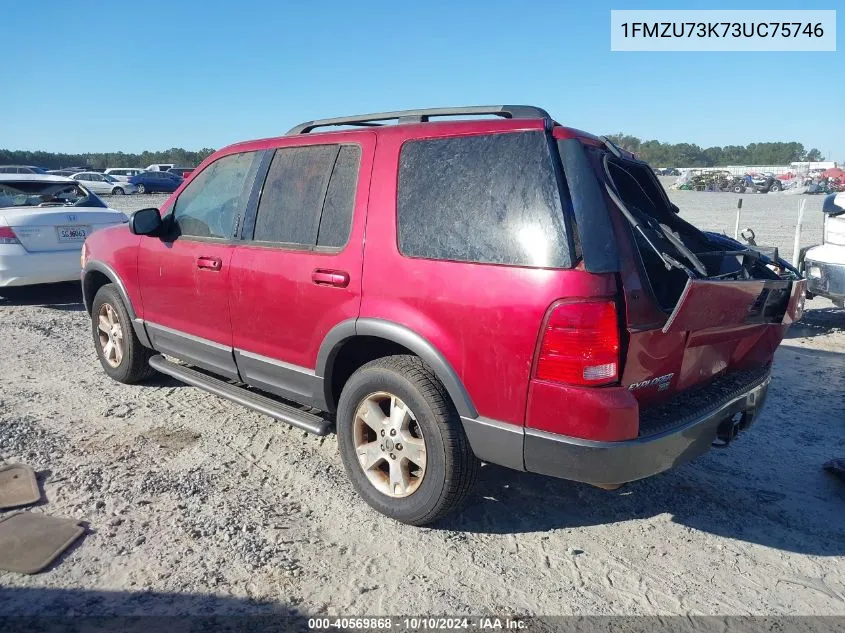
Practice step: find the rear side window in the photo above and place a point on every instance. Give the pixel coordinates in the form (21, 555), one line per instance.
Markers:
(487, 199)
(309, 196)
(208, 206)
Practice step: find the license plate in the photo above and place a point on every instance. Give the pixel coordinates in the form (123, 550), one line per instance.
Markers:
(73, 233)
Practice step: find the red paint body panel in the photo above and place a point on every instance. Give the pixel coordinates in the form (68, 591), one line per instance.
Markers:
(281, 313)
(604, 413)
(707, 334)
(118, 248)
(713, 304)
(485, 319)
(177, 293)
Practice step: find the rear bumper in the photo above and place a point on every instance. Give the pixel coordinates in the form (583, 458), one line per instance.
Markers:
(21, 268)
(619, 462)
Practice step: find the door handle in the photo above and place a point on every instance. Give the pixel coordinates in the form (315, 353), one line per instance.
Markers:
(337, 278)
(210, 263)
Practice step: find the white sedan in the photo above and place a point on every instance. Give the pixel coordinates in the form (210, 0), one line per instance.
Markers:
(43, 222)
(103, 183)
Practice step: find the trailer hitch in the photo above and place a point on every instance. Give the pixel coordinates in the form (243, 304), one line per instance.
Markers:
(728, 429)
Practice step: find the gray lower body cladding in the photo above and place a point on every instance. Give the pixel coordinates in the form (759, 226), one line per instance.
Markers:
(596, 462)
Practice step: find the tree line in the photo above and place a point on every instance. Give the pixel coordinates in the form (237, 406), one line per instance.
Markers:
(52, 160)
(690, 155)
(656, 153)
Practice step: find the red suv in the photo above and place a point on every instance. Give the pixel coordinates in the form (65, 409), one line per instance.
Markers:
(469, 284)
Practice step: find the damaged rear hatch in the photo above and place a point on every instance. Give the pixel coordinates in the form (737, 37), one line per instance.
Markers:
(699, 309)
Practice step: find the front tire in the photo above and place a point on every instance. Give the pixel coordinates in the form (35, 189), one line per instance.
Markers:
(117, 191)
(402, 442)
(142, 189)
(118, 348)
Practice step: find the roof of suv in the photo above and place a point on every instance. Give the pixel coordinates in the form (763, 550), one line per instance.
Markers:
(425, 116)
(428, 122)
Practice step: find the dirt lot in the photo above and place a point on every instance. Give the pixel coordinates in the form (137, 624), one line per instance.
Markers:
(198, 506)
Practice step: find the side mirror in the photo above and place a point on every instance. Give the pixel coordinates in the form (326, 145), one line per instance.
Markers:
(145, 222)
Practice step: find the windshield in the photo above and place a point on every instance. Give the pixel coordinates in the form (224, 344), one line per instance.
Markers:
(46, 194)
(109, 178)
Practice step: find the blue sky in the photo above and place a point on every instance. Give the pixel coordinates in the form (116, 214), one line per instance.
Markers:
(95, 76)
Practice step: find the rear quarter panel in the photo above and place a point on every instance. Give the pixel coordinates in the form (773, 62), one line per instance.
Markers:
(484, 319)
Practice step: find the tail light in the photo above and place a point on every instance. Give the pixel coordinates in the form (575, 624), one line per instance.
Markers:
(7, 235)
(580, 344)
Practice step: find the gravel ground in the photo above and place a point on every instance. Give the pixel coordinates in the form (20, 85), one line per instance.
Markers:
(197, 506)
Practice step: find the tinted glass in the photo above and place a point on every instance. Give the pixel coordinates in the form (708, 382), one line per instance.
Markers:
(293, 194)
(209, 205)
(487, 199)
(336, 220)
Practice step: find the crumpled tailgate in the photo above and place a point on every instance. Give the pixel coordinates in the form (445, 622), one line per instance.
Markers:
(716, 327)
(707, 304)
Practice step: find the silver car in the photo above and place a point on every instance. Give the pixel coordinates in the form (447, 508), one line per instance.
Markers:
(103, 183)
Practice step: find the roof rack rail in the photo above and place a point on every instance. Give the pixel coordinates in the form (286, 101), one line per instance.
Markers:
(423, 116)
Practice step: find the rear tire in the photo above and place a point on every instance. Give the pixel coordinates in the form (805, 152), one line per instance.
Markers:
(433, 434)
(121, 354)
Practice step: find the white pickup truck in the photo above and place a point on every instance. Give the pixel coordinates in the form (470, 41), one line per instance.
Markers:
(824, 265)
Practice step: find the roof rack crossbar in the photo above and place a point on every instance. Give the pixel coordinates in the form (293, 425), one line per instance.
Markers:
(423, 116)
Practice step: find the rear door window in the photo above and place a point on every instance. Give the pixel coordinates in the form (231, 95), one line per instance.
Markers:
(487, 199)
(309, 196)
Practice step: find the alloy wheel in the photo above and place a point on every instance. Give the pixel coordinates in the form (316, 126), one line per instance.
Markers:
(389, 444)
(110, 334)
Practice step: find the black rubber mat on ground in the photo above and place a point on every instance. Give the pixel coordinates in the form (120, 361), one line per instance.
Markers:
(30, 541)
(18, 486)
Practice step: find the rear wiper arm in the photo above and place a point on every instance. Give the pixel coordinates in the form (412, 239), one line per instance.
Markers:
(668, 261)
(746, 253)
(665, 232)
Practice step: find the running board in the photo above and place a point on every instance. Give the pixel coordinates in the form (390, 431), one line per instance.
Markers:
(275, 409)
